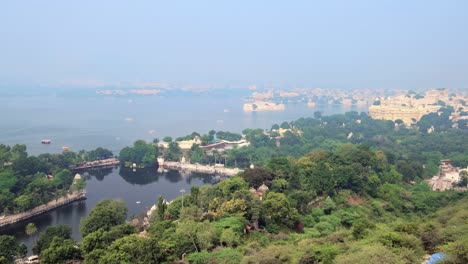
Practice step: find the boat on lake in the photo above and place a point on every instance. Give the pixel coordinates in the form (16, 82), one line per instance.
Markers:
(46, 141)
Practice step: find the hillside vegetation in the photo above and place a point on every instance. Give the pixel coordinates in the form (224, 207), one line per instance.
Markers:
(322, 196)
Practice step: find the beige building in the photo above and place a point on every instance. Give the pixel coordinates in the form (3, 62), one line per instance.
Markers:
(408, 107)
(257, 106)
(447, 176)
(409, 115)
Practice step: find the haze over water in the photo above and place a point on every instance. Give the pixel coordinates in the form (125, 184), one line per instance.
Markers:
(116, 122)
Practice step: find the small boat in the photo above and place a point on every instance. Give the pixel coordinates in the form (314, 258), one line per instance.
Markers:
(46, 141)
(138, 202)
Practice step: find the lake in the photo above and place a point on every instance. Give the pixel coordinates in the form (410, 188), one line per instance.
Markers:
(115, 122)
(115, 183)
(88, 122)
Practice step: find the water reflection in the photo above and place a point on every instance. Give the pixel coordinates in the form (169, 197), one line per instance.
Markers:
(150, 175)
(98, 173)
(139, 176)
(174, 176)
(143, 186)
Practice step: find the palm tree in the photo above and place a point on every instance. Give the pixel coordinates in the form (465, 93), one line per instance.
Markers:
(30, 229)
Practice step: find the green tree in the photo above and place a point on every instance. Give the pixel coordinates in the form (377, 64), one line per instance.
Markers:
(329, 205)
(201, 234)
(6, 202)
(285, 125)
(325, 253)
(161, 210)
(10, 248)
(197, 154)
(257, 176)
(279, 185)
(228, 136)
(63, 179)
(100, 153)
(24, 202)
(18, 152)
(141, 153)
(7, 180)
(229, 238)
(60, 251)
(173, 152)
(370, 254)
(360, 228)
(463, 179)
(134, 249)
(100, 240)
(278, 210)
(232, 185)
(5, 155)
(30, 229)
(45, 238)
(317, 175)
(106, 214)
(457, 251)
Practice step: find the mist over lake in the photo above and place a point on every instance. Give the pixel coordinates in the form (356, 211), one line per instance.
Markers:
(88, 122)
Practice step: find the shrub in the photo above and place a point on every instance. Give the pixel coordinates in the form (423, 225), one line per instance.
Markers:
(324, 228)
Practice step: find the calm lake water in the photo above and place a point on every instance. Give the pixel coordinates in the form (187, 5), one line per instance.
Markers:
(115, 183)
(116, 122)
(89, 122)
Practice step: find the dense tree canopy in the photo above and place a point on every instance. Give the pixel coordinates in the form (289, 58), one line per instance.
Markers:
(10, 249)
(29, 181)
(62, 232)
(106, 214)
(141, 153)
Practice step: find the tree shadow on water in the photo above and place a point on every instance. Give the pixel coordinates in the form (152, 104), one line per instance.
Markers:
(139, 176)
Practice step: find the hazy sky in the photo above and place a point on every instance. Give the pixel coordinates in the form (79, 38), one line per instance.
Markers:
(407, 44)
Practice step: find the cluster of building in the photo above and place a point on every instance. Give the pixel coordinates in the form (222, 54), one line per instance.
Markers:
(220, 145)
(447, 177)
(411, 107)
(277, 100)
(258, 106)
(185, 165)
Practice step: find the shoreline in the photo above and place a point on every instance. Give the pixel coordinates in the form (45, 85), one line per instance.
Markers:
(189, 167)
(41, 209)
(110, 162)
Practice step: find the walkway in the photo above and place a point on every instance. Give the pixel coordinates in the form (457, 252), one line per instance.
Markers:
(15, 218)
